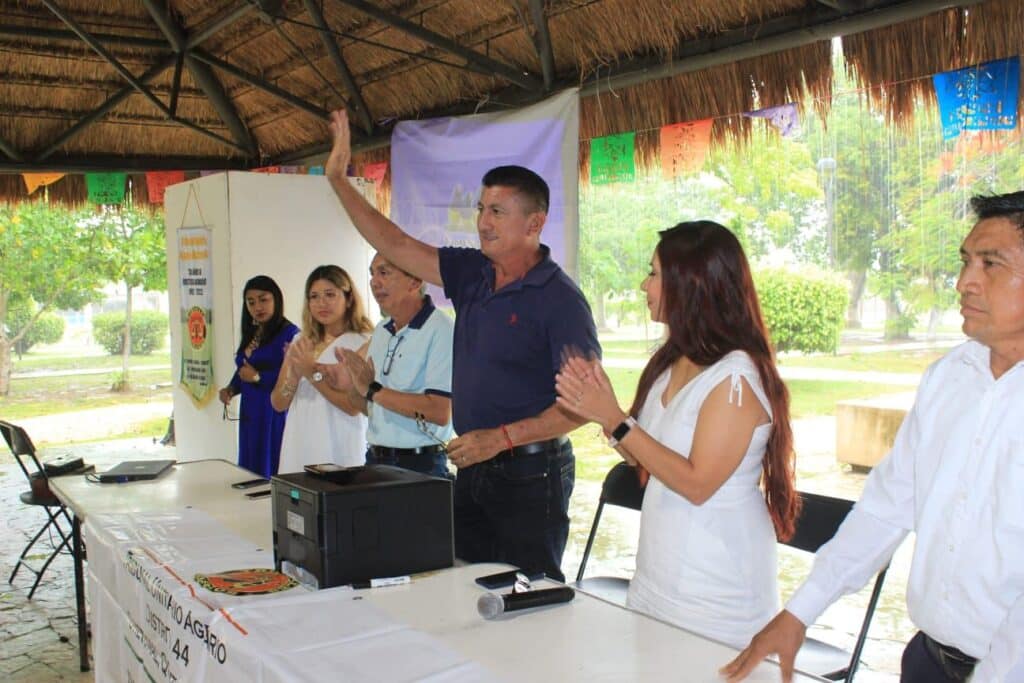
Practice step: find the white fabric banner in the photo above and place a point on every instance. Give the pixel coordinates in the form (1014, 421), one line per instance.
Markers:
(154, 621)
(437, 164)
(195, 277)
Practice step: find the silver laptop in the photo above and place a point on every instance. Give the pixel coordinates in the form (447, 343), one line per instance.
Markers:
(134, 470)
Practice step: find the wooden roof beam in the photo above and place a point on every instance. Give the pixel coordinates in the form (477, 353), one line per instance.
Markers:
(542, 41)
(98, 48)
(136, 84)
(218, 24)
(356, 103)
(111, 162)
(256, 81)
(474, 60)
(204, 77)
(9, 149)
(98, 113)
(9, 32)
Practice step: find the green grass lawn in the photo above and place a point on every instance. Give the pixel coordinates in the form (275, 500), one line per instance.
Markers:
(808, 398)
(39, 362)
(36, 396)
(884, 361)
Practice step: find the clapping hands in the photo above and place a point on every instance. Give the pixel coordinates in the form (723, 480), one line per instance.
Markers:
(584, 389)
(352, 371)
(299, 357)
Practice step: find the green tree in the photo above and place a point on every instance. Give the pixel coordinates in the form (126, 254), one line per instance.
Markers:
(47, 255)
(48, 328)
(769, 195)
(135, 255)
(619, 227)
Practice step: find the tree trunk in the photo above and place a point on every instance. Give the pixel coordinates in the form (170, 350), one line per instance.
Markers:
(124, 384)
(858, 280)
(5, 367)
(600, 315)
(934, 317)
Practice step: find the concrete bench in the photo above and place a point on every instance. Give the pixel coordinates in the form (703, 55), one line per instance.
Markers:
(866, 427)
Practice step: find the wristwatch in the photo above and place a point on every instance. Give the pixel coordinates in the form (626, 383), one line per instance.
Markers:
(374, 387)
(619, 433)
(256, 378)
(318, 376)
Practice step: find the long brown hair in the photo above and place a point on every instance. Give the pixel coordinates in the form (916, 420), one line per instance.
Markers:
(711, 309)
(355, 312)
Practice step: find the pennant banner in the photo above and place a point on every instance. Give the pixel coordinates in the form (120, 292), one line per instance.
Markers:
(33, 181)
(611, 159)
(105, 188)
(785, 118)
(158, 181)
(981, 97)
(195, 277)
(684, 146)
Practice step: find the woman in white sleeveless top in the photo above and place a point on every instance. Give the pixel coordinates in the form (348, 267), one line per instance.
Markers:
(324, 424)
(710, 423)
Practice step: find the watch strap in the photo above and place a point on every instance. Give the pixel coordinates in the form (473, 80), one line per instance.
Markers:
(620, 432)
(374, 387)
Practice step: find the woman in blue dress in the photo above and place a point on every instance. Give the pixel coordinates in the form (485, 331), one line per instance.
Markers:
(265, 334)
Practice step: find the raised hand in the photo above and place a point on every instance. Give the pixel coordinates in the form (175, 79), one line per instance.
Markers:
(341, 151)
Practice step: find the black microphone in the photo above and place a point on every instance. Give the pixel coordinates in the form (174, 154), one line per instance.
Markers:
(491, 605)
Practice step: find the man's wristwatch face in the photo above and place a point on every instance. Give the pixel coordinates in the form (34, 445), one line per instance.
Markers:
(373, 389)
(318, 376)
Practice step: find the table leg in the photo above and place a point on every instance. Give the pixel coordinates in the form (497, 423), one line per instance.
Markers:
(83, 627)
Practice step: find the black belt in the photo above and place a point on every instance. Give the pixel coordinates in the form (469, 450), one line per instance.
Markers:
(535, 448)
(956, 664)
(386, 452)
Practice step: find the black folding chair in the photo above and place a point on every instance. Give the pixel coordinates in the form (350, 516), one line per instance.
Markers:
(621, 487)
(819, 520)
(38, 495)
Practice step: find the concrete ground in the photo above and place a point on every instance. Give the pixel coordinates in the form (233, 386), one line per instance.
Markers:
(39, 637)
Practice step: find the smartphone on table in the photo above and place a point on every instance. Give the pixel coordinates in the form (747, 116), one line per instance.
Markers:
(248, 483)
(505, 579)
(324, 468)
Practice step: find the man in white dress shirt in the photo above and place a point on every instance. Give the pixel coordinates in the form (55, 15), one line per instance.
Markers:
(955, 477)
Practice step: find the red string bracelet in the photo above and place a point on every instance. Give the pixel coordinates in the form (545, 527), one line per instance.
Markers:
(508, 439)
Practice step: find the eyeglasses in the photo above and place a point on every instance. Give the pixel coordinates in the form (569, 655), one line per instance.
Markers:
(389, 357)
(228, 416)
(424, 426)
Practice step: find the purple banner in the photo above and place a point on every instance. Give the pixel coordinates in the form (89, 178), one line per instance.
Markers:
(437, 166)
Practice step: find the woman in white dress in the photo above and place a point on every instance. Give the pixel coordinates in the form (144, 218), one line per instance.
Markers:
(710, 423)
(324, 425)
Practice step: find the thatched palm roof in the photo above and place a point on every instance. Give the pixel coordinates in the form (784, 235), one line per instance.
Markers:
(190, 84)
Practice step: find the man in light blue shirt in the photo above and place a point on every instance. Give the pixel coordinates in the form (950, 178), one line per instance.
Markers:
(403, 376)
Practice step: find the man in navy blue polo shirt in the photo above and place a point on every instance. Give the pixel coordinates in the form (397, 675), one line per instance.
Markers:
(517, 312)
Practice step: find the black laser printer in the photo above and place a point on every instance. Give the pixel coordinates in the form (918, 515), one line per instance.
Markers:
(360, 523)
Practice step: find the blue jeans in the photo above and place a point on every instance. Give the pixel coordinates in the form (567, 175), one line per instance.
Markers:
(515, 509)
